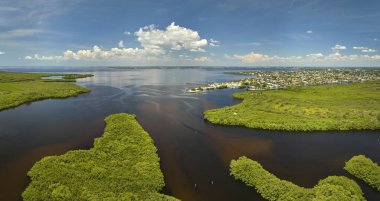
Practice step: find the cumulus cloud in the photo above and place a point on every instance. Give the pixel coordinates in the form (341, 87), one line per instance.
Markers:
(120, 44)
(127, 33)
(337, 48)
(309, 31)
(153, 41)
(184, 57)
(201, 59)
(173, 37)
(43, 58)
(369, 50)
(315, 56)
(214, 43)
(359, 48)
(251, 57)
(364, 49)
(1, 53)
(254, 57)
(91, 54)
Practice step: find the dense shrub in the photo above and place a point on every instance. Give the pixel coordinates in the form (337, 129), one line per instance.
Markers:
(272, 188)
(122, 165)
(364, 169)
(340, 107)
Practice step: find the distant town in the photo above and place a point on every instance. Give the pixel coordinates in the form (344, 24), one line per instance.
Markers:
(274, 80)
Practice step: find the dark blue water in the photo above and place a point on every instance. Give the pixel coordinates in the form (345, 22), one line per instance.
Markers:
(192, 151)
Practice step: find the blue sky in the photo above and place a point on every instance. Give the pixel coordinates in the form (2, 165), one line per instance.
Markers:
(204, 33)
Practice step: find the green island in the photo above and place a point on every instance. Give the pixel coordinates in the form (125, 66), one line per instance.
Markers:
(272, 188)
(364, 169)
(19, 88)
(326, 107)
(122, 165)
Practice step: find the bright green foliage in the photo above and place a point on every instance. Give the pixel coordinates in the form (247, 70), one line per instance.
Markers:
(364, 169)
(337, 188)
(122, 165)
(333, 107)
(68, 77)
(20, 88)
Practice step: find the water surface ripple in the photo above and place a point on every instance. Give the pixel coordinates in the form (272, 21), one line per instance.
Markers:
(195, 154)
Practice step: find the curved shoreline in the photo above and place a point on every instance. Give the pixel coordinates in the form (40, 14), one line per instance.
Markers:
(317, 108)
(364, 169)
(20, 88)
(272, 188)
(122, 165)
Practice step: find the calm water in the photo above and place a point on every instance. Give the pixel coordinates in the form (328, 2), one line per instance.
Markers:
(192, 151)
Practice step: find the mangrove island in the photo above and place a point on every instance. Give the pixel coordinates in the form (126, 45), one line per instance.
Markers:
(122, 165)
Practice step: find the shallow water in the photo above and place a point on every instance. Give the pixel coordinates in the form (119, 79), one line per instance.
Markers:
(55, 77)
(194, 153)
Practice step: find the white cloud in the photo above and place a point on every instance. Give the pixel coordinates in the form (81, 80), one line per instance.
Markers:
(309, 32)
(359, 48)
(214, 43)
(121, 44)
(155, 43)
(315, 56)
(92, 54)
(43, 58)
(369, 50)
(184, 57)
(188, 58)
(1, 53)
(254, 57)
(364, 49)
(201, 59)
(127, 33)
(173, 37)
(251, 57)
(337, 48)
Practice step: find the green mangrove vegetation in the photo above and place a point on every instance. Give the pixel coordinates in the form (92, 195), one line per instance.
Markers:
(327, 107)
(364, 169)
(19, 88)
(66, 77)
(122, 165)
(272, 188)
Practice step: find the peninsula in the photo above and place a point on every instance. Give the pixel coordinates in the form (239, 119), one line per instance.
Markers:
(327, 107)
(19, 88)
(364, 169)
(272, 188)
